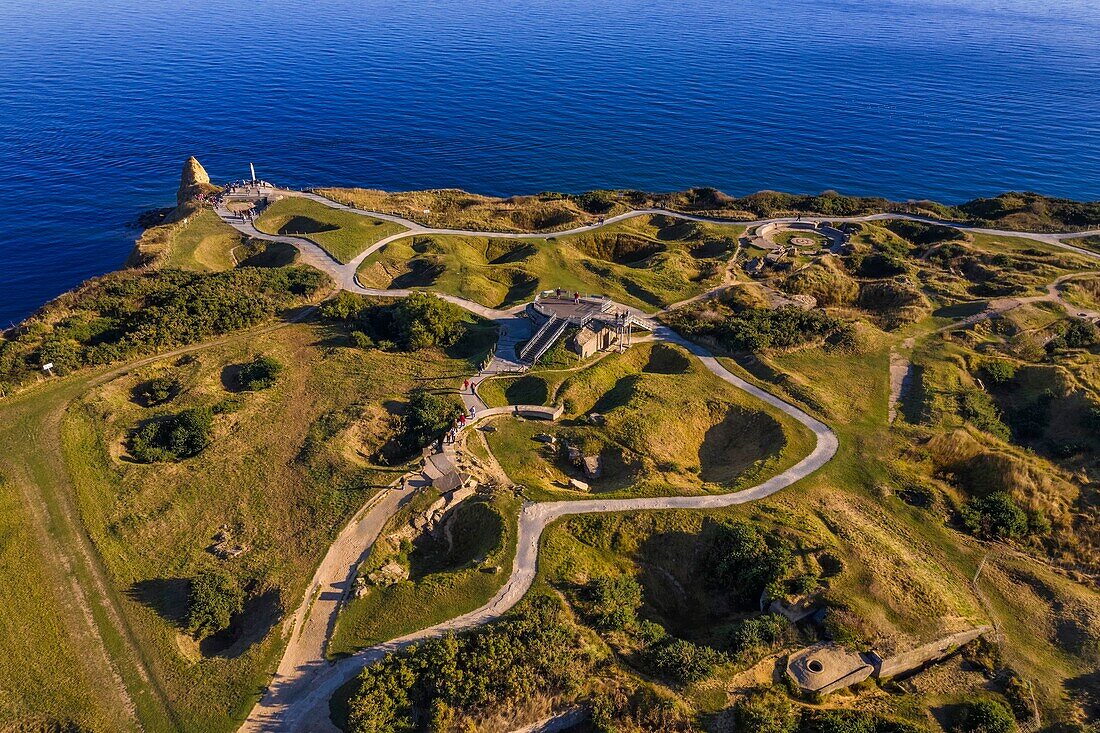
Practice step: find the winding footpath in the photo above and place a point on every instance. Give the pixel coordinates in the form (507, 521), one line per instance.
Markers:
(298, 697)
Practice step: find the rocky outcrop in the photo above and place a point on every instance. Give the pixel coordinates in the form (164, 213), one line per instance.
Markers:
(194, 182)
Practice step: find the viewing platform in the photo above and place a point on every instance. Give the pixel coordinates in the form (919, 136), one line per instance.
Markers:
(576, 311)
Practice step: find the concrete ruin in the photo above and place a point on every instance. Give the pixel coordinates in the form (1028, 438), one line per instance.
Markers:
(827, 667)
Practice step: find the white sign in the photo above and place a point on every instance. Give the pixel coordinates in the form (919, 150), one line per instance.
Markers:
(47, 367)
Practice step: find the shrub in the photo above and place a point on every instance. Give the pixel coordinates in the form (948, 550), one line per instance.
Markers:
(260, 373)
(425, 320)
(762, 711)
(984, 715)
(613, 601)
(978, 408)
(173, 438)
(413, 323)
(1076, 334)
(744, 561)
(994, 517)
(754, 634)
(428, 416)
(997, 372)
(130, 312)
(533, 652)
(214, 599)
(681, 661)
(157, 391)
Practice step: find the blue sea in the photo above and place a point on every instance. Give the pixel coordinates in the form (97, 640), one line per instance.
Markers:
(101, 102)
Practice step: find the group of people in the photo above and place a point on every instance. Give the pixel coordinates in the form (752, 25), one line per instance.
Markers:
(451, 436)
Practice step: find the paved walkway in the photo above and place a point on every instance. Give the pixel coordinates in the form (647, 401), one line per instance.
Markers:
(298, 698)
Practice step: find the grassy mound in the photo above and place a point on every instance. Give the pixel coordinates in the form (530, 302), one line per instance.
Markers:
(825, 280)
(668, 425)
(645, 261)
(448, 577)
(342, 234)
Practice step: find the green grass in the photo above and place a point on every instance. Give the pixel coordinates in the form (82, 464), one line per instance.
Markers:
(648, 262)
(341, 233)
(443, 584)
(284, 472)
(455, 209)
(205, 244)
(784, 238)
(1091, 242)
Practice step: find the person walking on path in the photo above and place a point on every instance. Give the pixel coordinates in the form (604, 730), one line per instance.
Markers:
(465, 385)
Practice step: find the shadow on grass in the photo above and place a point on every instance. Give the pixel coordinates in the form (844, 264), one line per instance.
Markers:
(166, 596)
(260, 615)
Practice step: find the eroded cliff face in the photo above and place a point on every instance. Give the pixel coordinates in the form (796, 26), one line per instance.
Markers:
(194, 181)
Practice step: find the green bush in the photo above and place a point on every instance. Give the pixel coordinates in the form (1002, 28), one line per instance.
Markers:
(753, 635)
(157, 391)
(214, 599)
(173, 438)
(613, 601)
(141, 311)
(413, 323)
(994, 517)
(762, 711)
(681, 661)
(978, 408)
(744, 561)
(997, 372)
(984, 715)
(428, 416)
(260, 373)
(533, 652)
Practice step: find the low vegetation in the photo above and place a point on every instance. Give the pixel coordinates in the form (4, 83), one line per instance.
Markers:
(174, 437)
(534, 653)
(131, 313)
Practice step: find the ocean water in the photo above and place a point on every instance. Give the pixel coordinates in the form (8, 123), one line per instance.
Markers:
(100, 103)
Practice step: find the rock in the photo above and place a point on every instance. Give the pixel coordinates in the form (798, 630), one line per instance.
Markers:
(593, 467)
(597, 419)
(389, 574)
(546, 438)
(194, 181)
(578, 484)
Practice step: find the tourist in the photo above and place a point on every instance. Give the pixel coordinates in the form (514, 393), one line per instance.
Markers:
(466, 385)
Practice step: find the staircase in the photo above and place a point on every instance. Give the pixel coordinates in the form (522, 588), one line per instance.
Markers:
(543, 339)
